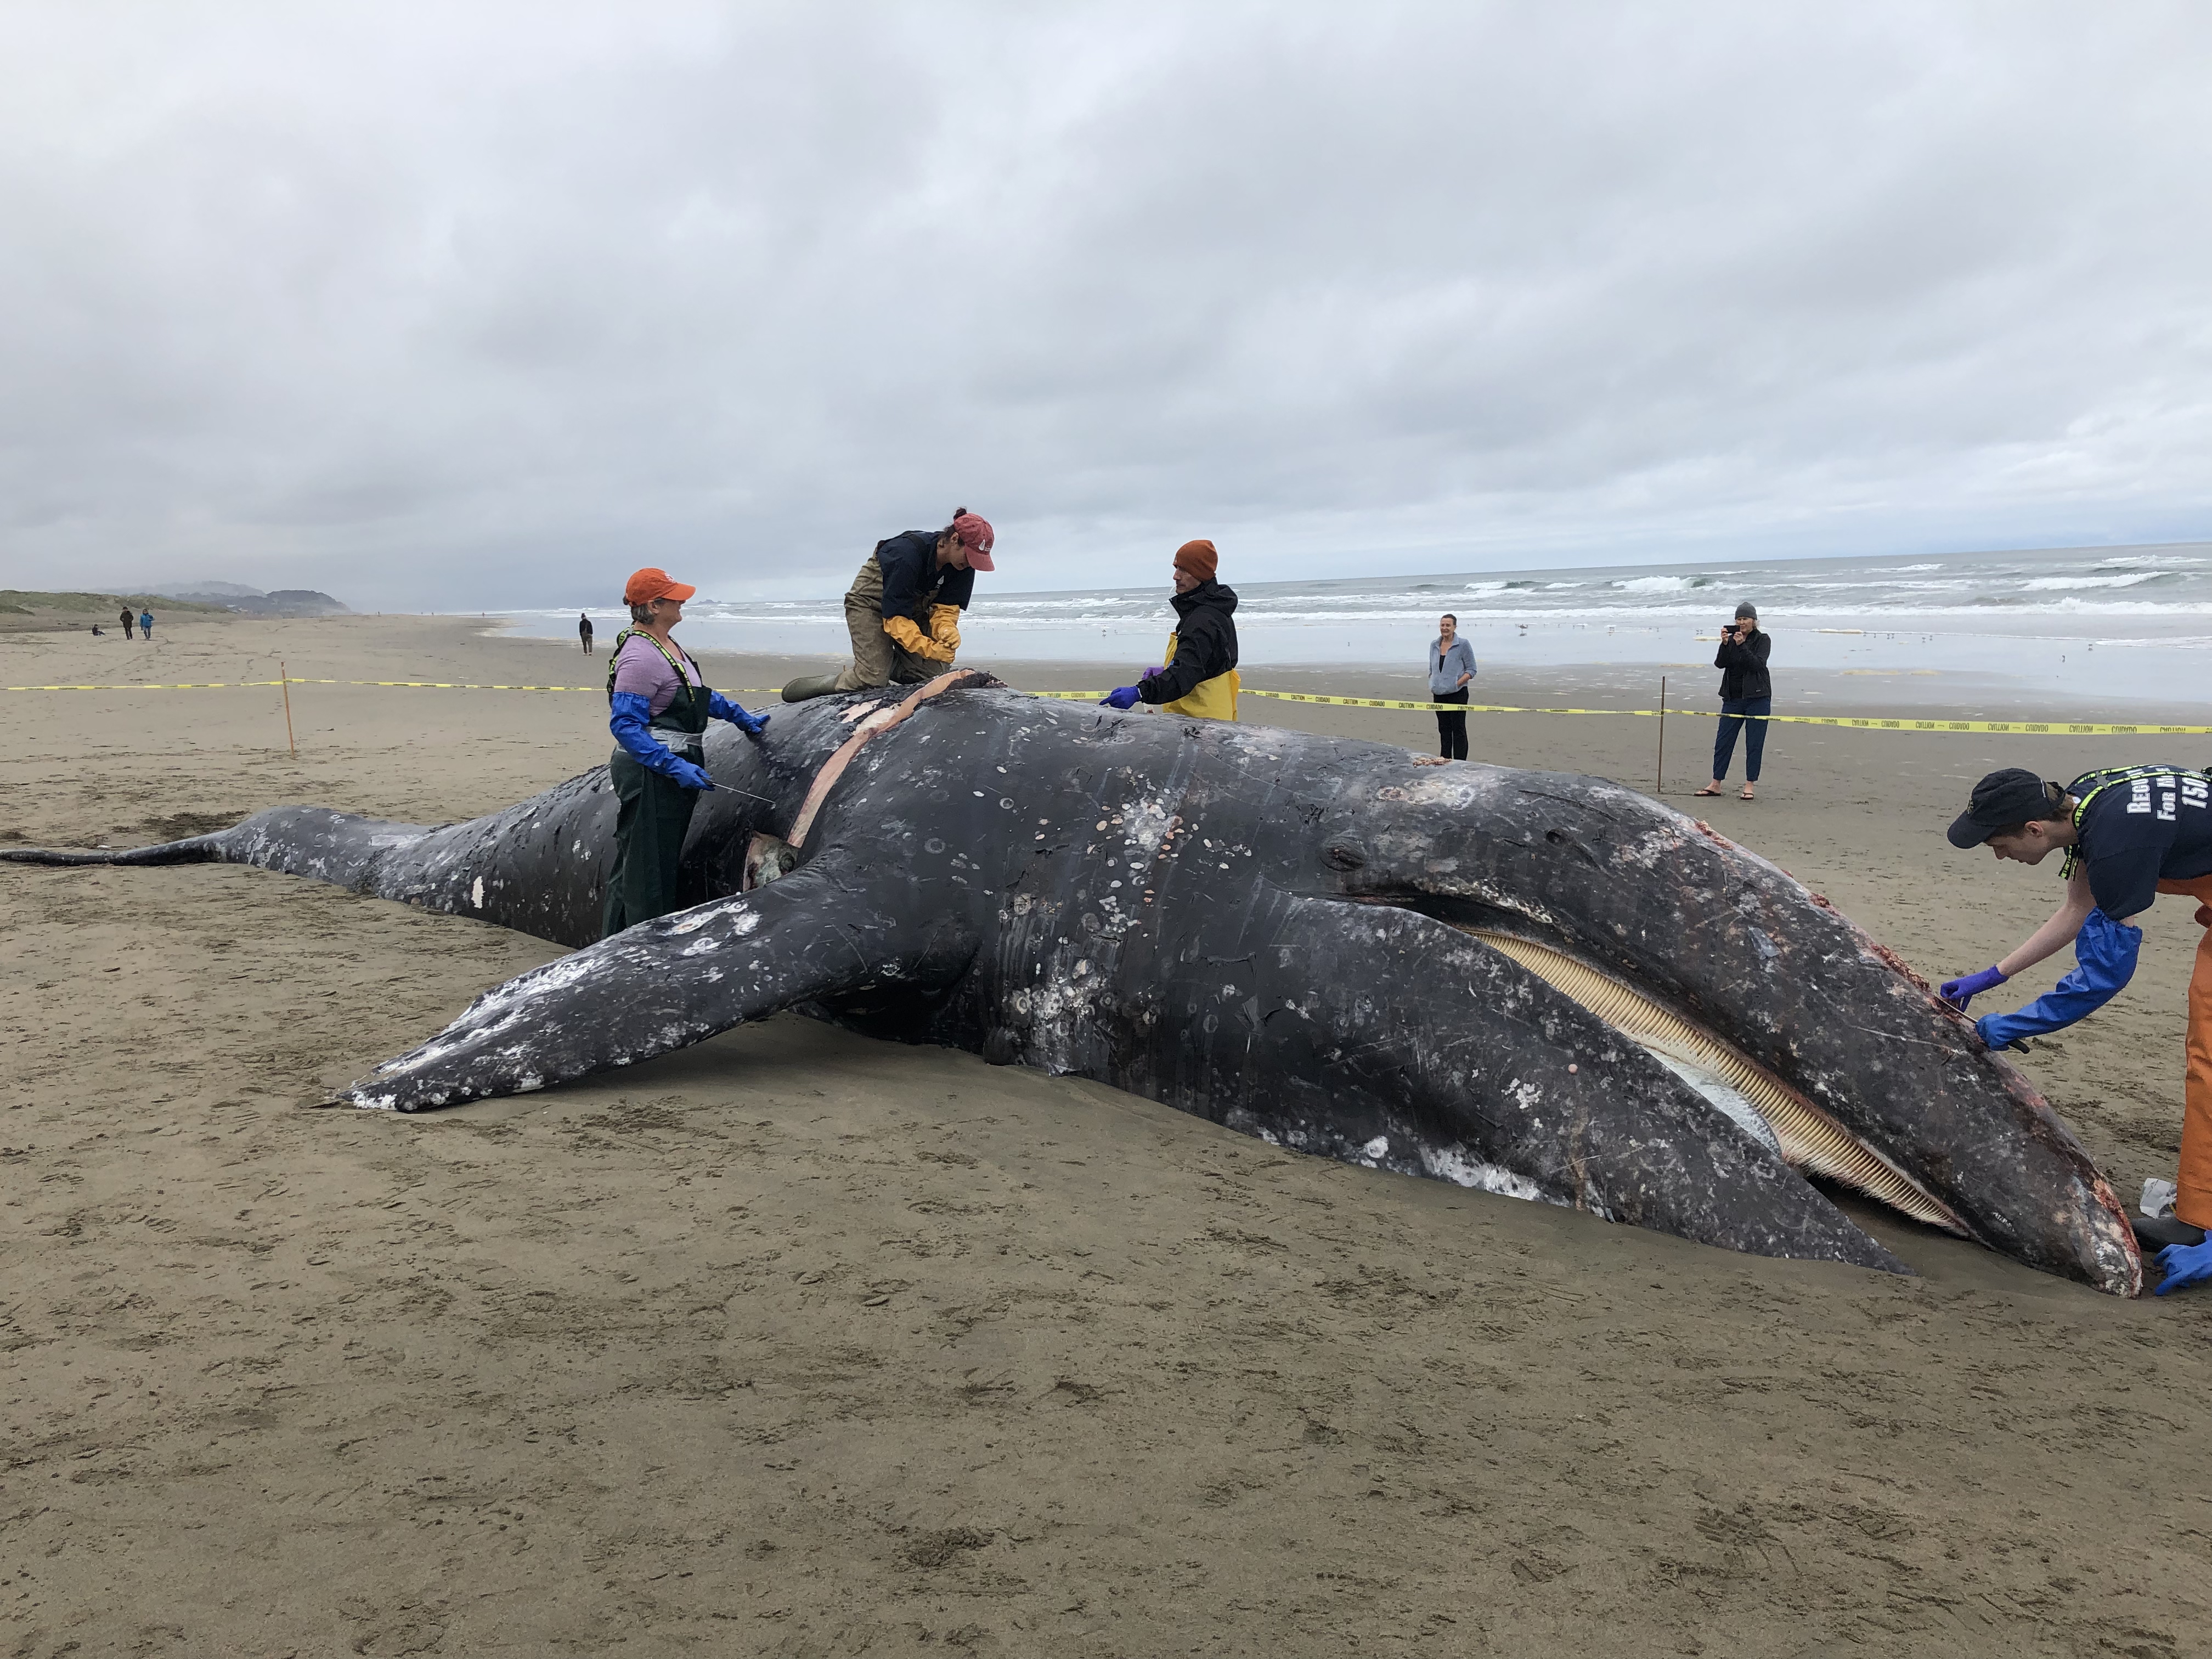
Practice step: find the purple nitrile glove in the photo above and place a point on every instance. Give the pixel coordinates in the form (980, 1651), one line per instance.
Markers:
(1122, 697)
(1961, 992)
(1149, 672)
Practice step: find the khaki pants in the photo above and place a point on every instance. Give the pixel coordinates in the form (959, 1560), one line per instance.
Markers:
(878, 659)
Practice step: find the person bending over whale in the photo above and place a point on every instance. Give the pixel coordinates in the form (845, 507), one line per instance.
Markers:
(903, 609)
(1201, 676)
(658, 705)
(2129, 833)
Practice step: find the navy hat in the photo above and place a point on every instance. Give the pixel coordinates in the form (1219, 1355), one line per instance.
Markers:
(1999, 800)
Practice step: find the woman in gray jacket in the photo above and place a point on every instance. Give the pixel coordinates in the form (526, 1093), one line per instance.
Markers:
(1451, 669)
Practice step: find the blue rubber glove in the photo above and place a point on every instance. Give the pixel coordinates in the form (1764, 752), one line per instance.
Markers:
(2185, 1265)
(1122, 697)
(632, 715)
(2103, 961)
(723, 709)
(1961, 992)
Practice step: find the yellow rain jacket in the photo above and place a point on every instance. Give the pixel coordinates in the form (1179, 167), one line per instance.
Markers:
(1209, 699)
(1201, 676)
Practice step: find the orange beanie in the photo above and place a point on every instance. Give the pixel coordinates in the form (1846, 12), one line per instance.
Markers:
(1198, 559)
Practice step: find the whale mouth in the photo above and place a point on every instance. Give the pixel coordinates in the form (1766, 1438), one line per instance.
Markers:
(1807, 1139)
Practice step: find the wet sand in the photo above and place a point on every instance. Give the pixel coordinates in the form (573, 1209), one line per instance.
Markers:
(796, 1343)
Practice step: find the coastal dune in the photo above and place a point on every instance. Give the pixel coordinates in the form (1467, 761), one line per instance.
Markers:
(796, 1343)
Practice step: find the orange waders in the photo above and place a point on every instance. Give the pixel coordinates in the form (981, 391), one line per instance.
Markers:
(2194, 1202)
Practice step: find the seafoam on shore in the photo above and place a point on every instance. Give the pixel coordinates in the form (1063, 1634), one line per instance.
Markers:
(2123, 623)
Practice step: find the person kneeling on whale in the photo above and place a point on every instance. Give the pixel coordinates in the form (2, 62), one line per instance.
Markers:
(903, 609)
(659, 704)
(2129, 833)
(1200, 676)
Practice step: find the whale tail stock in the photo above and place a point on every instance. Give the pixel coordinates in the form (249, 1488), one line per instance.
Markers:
(316, 843)
(193, 849)
(660, 986)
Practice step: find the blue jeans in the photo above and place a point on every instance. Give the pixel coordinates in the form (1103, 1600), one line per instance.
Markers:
(1735, 711)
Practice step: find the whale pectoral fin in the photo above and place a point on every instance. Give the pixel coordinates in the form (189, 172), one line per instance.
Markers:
(659, 985)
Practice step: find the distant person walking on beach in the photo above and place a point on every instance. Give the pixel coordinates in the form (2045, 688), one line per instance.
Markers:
(1451, 667)
(658, 705)
(127, 621)
(146, 624)
(903, 609)
(1200, 677)
(584, 631)
(1747, 696)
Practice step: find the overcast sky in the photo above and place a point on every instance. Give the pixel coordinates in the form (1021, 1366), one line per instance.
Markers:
(481, 305)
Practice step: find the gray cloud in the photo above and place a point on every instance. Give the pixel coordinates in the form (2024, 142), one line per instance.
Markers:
(485, 305)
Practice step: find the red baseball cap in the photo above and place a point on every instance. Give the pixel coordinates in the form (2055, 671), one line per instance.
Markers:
(654, 583)
(974, 534)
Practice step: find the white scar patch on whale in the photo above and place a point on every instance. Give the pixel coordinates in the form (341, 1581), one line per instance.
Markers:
(693, 920)
(475, 894)
(1648, 848)
(1146, 823)
(1457, 1165)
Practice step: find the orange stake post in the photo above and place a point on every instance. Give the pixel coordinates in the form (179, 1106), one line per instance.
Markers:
(285, 680)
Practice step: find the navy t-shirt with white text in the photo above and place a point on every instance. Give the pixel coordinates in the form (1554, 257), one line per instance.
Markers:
(2143, 831)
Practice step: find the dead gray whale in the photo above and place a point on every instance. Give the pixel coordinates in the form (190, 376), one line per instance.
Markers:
(1540, 984)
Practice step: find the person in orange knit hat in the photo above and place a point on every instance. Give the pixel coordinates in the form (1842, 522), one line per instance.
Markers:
(1200, 677)
(2129, 833)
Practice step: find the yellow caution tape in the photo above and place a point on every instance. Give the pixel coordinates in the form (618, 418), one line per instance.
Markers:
(189, 685)
(1860, 722)
(452, 685)
(299, 679)
(2054, 728)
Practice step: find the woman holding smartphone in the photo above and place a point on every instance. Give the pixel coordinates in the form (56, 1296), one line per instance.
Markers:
(1747, 696)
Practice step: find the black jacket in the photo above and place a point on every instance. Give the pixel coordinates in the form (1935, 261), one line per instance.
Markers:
(914, 580)
(1743, 668)
(1206, 643)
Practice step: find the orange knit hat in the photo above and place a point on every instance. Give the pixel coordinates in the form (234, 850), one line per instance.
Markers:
(1198, 559)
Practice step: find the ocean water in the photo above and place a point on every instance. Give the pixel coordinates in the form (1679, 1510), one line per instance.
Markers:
(2125, 624)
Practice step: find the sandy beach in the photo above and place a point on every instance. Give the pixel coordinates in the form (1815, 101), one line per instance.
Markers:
(799, 1344)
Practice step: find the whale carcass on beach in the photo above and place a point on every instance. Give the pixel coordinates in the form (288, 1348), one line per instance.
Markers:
(1535, 984)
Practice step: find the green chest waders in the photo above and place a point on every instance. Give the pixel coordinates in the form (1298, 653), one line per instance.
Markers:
(654, 812)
